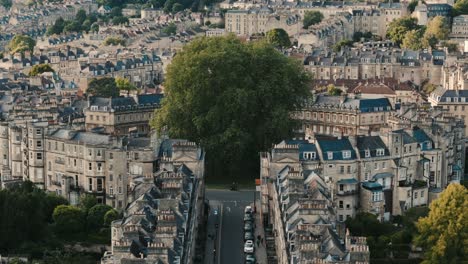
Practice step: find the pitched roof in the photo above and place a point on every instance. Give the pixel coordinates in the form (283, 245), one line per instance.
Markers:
(336, 146)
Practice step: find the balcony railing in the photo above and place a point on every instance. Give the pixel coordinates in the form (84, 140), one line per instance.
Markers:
(347, 192)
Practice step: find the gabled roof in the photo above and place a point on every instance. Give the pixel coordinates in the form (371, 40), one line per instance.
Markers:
(407, 139)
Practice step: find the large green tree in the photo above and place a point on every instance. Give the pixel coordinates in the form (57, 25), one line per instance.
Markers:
(278, 37)
(69, 219)
(412, 40)
(399, 27)
(40, 68)
(95, 217)
(312, 18)
(234, 98)
(437, 29)
(103, 87)
(460, 8)
(21, 43)
(444, 232)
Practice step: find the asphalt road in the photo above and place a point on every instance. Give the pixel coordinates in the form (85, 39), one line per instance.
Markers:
(229, 239)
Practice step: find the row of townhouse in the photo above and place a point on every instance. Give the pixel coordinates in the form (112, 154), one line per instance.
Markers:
(299, 204)
(160, 223)
(122, 115)
(73, 65)
(405, 164)
(362, 17)
(72, 162)
(343, 115)
(376, 62)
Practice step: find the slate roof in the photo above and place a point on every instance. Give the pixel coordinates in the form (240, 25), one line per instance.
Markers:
(407, 139)
(382, 175)
(364, 105)
(371, 143)
(420, 135)
(112, 102)
(150, 98)
(373, 186)
(336, 146)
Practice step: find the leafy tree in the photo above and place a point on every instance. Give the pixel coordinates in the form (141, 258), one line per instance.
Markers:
(233, 98)
(208, 23)
(94, 27)
(114, 41)
(397, 28)
(51, 202)
(57, 27)
(120, 20)
(332, 90)
(312, 18)
(460, 8)
(452, 47)
(72, 26)
(80, 16)
(69, 219)
(412, 5)
(444, 232)
(115, 12)
(437, 29)
(103, 87)
(124, 84)
(342, 43)
(110, 216)
(21, 43)
(6, 3)
(40, 68)
(177, 8)
(171, 29)
(95, 218)
(1, 55)
(412, 40)
(87, 201)
(18, 206)
(278, 37)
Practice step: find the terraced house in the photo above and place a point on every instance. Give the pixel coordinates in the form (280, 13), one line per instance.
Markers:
(324, 180)
(342, 115)
(161, 221)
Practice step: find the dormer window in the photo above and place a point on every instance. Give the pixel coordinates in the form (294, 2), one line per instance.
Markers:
(380, 152)
(309, 155)
(94, 108)
(330, 155)
(346, 154)
(367, 153)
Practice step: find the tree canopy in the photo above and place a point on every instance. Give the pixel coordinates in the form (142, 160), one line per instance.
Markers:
(437, 29)
(234, 98)
(95, 218)
(460, 8)
(444, 232)
(114, 41)
(332, 90)
(397, 28)
(40, 68)
(21, 43)
(69, 219)
(6, 3)
(124, 84)
(278, 37)
(171, 29)
(103, 87)
(412, 40)
(312, 18)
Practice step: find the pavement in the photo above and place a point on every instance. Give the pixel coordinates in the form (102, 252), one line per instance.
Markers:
(260, 250)
(227, 247)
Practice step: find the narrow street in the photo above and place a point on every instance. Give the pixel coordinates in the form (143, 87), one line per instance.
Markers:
(226, 247)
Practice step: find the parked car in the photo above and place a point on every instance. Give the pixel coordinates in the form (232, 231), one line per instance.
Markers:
(249, 246)
(248, 209)
(250, 259)
(248, 227)
(248, 236)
